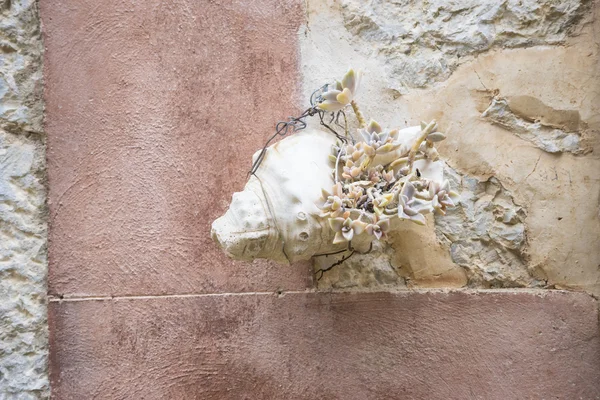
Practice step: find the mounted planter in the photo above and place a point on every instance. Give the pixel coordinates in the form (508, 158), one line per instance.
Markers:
(322, 191)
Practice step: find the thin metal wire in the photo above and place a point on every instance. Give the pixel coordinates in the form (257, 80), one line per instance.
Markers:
(326, 125)
(295, 124)
(340, 261)
(316, 97)
(323, 270)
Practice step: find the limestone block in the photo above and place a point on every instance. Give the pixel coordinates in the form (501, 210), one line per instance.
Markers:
(23, 268)
(20, 66)
(23, 263)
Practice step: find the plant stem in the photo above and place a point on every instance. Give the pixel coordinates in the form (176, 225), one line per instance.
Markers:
(361, 120)
(346, 132)
(415, 147)
(337, 162)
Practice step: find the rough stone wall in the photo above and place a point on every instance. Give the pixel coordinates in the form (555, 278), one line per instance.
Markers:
(515, 85)
(23, 264)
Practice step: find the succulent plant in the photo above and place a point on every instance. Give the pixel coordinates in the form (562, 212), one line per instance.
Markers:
(379, 228)
(411, 207)
(376, 140)
(344, 229)
(442, 197)
(379, 193)
(333, 204)
(342, 93)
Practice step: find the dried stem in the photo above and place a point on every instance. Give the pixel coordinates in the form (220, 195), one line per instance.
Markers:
(347, 132)
(361, 119)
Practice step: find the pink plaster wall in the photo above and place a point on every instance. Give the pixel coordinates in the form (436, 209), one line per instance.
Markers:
(154, 109)
(329, 346)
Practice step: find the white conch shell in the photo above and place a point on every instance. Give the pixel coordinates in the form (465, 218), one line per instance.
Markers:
(276, 216)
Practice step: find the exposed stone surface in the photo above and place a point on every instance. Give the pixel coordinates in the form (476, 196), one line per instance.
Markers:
(552, 139)
(423, 41)
(486, 234)
(559, 194)
(23, 263)
(362, 271)
(521, 112)
(20, 66)
(491, 345)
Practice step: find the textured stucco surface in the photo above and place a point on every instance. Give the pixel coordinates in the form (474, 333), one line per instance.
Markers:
(154, 110)
(515, 84)
(23, 261)
(421, 42)
(489, 346)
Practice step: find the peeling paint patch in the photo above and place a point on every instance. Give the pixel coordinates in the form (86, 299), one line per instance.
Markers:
(533, 121)
(544, 68)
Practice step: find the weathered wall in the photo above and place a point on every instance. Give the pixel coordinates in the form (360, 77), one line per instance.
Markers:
(150, 130)
(450, 346)
(23, 266)
(154, 109)
(515, 84)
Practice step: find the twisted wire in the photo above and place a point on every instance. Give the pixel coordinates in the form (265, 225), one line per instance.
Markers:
(295, 124)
